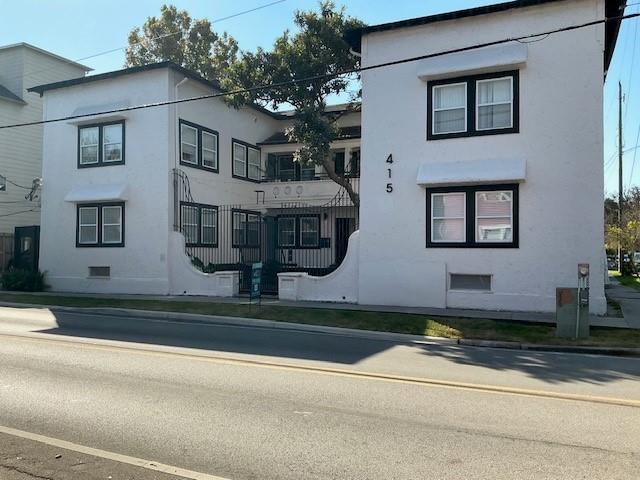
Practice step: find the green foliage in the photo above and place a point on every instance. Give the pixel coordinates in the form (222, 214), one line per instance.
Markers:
(23, 280)
(176, 37)
(316, 50)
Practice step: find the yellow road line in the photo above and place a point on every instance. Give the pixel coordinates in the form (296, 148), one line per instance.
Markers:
(117, 457)
(337, 372)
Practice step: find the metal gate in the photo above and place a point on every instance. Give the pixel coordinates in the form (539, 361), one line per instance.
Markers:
(285, 237)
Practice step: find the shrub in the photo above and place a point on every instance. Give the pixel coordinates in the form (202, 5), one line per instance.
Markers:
(23, 280)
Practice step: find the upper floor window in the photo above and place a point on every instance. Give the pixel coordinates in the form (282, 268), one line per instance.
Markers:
(246, 161)
(474, 105)
(479, 216)
(101, 145)
(198, 146)
(3, 184)
(284, 168)
(100, 225)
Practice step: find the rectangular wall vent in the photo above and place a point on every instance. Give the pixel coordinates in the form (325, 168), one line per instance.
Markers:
(100, 272)
(459, 281)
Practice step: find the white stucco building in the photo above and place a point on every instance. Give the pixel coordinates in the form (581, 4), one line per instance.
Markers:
(148, 200)
(497, 152)
(480, 187)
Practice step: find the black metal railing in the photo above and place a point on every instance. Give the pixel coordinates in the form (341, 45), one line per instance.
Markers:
(287, 176)
(285, 237)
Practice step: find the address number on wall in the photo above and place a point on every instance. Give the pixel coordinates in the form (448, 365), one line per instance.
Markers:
(389, 162)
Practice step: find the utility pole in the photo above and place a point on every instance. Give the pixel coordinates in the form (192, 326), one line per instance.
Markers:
(620, 176)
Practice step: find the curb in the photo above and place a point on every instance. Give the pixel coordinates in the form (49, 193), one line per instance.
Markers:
(242, 322)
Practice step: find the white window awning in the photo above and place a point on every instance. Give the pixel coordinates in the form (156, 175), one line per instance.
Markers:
(472, 172)
(474, 61)
(116, 192)
(91, 113)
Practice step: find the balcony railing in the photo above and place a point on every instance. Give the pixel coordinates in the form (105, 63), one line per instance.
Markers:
(304, 176)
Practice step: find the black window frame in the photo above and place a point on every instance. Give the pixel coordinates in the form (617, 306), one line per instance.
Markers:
(298, 231)
(246, 243)
(470, 220)
(199, 161)
(246, 163)
(200, 206)
(471, 85)
(100, 243)
(101, 162)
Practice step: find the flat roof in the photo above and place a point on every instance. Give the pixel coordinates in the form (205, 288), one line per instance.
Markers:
(45, 52)
(613, 8)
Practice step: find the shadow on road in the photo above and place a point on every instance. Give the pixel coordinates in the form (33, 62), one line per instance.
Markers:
(267, 341)
(554, 368)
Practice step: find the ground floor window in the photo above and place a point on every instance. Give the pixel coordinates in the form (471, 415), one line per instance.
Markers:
(299, 231)
(245, 228)
(199, 224)
(477, 216)
(100, 225)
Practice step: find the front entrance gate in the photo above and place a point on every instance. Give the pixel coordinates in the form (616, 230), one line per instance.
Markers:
(285, 237)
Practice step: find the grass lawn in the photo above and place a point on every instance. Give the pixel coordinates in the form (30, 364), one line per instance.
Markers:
(378, 321)
(627, 280)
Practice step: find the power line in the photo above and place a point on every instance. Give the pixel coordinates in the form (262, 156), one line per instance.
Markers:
(15, 184)
(18, 213)
(323, 76)
(105, 52)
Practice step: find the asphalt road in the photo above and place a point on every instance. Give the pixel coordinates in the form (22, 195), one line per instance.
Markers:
(193, 396)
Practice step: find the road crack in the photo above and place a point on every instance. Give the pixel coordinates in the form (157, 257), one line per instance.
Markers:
(11, 468)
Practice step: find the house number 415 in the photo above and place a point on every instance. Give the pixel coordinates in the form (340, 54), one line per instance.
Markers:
(389, 163)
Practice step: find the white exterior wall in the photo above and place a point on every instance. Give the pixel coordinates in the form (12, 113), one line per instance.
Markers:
(21, 148)
(246, 124)
(561, 139)
(141, 265)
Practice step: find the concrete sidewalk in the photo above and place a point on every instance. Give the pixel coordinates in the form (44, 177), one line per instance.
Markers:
(531, 317)
(629, 300)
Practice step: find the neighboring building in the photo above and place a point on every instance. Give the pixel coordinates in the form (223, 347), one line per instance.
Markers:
(119, 188)
(497, 169)
(481, 173)
(21, 67)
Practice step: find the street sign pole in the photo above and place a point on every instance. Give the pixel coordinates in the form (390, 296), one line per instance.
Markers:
(256, 281)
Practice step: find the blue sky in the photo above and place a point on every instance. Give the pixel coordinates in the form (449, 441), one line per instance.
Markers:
(80, 28)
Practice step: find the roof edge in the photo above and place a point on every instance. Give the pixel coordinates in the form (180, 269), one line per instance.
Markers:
(40, 89)
(46, 52)
(613, 8)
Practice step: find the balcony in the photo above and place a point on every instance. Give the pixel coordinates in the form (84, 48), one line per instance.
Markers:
(315, 188)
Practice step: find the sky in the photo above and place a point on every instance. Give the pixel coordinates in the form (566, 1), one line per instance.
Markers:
(80, 28)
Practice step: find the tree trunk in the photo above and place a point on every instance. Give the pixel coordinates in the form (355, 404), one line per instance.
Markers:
(342, 181)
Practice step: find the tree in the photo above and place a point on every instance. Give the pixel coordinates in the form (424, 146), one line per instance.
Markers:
(317, 49)
(176, 37)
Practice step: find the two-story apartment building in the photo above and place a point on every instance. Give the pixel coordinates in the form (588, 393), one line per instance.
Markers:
(480, 185)
(23, 66)
(162, 200)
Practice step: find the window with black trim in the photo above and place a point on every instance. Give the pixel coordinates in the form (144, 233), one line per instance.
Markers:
(245, 228)
(3, 184)
(477, 216)
(100, 225)
(198, 146)
(199, 224)
(474, 105)
(100, 145)
(299, 231)
(245, 159)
